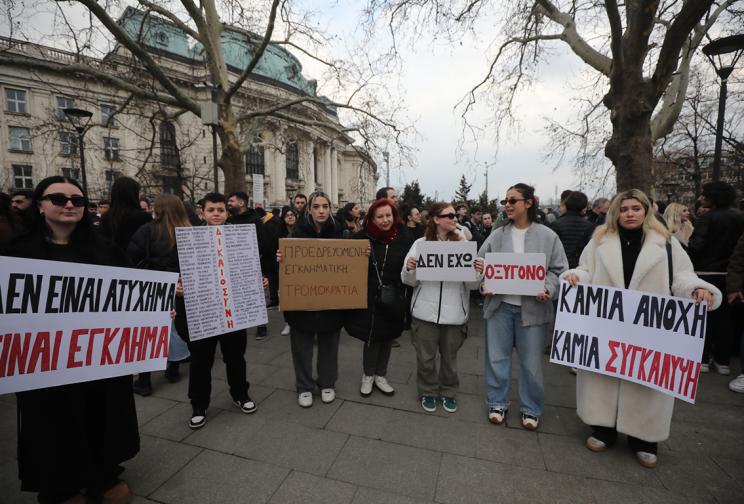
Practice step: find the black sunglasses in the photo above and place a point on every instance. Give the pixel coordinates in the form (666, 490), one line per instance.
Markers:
(447, 215)
(511, 201)
(59, 199)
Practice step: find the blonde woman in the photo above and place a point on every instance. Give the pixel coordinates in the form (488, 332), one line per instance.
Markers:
(629, 251)
(677, 217)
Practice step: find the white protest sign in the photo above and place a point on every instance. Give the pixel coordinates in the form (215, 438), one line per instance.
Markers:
(509, 273)
(449, 261)
(258, 189)
(650, 339)
(221, 274)
(63, 323)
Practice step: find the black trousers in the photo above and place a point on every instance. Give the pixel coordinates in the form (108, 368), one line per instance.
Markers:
(232, 346)
(302, 358)
(375, 357)
(719, 337)
(608, 435)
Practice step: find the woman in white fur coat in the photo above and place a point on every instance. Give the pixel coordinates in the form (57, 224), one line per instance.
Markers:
(629, 251)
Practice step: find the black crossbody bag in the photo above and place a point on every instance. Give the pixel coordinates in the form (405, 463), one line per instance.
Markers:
(389, 298)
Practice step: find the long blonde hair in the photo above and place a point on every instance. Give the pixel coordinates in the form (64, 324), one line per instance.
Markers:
(650, 223)
(170, 213)
(673, 218)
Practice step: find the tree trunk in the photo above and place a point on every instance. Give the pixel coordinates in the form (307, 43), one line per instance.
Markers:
(231, 160)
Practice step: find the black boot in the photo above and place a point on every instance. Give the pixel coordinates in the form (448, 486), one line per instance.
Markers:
(142, 385)
(172, 373)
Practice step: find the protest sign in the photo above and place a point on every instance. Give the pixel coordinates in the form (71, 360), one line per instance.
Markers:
(221, 273)
(87, 323)
(649, 339)
(449, 261)
(320, 274)
(520, 274)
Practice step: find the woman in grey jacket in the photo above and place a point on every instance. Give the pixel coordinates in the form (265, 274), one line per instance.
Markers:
(440, 315)
(520, 320)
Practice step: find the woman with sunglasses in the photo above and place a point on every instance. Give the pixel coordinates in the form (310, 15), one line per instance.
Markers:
(440, 313)
(520, 321)
(630, 251)
(72, 438)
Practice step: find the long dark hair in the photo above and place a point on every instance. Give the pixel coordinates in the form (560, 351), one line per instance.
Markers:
(124, 201)
(431, 227)
(83, 229)
(528, 193)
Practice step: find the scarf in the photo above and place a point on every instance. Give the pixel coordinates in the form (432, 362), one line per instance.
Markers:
(378, 234)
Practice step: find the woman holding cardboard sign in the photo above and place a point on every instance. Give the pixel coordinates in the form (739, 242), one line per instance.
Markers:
(73, 437)
(382, 321)
(440, 313)
(632, 251)
(516, 320)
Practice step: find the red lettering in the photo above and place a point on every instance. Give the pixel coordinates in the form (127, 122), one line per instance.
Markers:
(626, 349)
(676, 363)
(4, 355)
(489, 271)
(632, 359)
(149, 335)
(136, 347)
(230, 324)
(223, 281)
(108, 337)
(220, 263)
(57, 344)
(653, 374)
(665, 368)
(613, 348)
(228, 313)
(75, 348)
(163, 339)
(645, 354)
(40, 350)
(691, 379)
(123, 350)
(91, 337)
(218, 231)
(540, 272)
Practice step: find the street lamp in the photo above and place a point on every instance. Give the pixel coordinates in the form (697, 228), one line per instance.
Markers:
(210, 116)
(79, 119)
(723, 54)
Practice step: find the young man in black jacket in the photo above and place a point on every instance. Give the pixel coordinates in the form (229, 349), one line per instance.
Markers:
(572, 228)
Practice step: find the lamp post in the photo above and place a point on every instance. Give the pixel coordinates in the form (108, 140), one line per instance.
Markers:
(210, 116)
(79, 118)
(723, 54)
(386, 158)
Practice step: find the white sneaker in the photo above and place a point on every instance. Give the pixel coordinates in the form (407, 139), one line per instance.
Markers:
(285, 331)
(383, 386)
(305, 399)
(705, 367)
(722, 369)
(737, 384)
(646, 459)
(327, 395)
(366, 388)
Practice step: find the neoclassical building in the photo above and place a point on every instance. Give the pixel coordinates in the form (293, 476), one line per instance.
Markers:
(165, 151)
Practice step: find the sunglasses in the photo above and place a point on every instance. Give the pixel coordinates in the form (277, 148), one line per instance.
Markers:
(448, 215)
(511, 201)
(59, 199)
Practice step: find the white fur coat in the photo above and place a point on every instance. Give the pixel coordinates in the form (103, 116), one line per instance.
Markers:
(610, 402)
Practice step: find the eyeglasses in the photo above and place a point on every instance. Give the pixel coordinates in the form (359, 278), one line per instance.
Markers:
(59, 199)
(511, 201)
(447, 215)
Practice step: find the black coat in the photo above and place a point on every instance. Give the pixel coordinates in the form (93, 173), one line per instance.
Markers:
(574, 232)
(376, 322)
(68, 431)
(131, 221)
(324, 320)
(148, 250)
(715, 236)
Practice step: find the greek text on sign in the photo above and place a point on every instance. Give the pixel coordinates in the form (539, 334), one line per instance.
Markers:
(88, 323)
(649, 339)
(446, 261)
(519, 274)
(221, 273)
(322, 274)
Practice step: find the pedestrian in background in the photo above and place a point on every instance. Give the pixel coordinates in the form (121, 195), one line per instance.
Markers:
(632, 251)
(124, 217)
(677, 218)
(735, 298)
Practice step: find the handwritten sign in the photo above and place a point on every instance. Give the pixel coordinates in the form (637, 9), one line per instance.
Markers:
(318, 274)
(63, 323)
(221, 273)
(649, 339)
(446, 261)
(520, 274)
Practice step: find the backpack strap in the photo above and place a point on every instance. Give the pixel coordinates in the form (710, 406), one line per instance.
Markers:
(669, 263)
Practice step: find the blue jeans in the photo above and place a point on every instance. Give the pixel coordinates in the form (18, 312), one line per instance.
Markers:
(504, 329)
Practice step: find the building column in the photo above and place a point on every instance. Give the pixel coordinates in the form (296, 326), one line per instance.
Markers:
(327, 170)
(307, 163)
(334, 176)
(278, 179)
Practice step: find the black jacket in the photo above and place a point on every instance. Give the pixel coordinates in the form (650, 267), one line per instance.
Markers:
(574, 232)
(131, 221)
(376, 322)
(147, 250)
(715, 236)
(324, 320)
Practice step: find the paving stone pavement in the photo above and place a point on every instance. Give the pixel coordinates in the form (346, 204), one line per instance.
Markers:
(388, 450)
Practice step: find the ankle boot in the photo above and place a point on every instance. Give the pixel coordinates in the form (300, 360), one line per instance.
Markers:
(142, 385)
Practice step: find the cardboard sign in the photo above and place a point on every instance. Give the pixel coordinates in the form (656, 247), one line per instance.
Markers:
(520, 274)
(63, 323)
(221, 273)
(650, 339)
(448, 261)
(318, 274)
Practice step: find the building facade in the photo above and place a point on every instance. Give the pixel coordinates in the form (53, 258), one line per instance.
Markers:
(165, 150)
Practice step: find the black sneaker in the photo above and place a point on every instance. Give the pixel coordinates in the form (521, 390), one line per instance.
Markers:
(246, 405)
(261, 333)
(142, 385)
(198, 419)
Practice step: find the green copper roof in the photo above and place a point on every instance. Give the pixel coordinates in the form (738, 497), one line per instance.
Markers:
(276, 63)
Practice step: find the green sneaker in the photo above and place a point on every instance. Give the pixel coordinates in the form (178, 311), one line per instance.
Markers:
(449, 404)
(429, 403)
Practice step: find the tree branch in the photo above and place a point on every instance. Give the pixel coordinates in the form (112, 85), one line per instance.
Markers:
(616, 34)
(172, 18)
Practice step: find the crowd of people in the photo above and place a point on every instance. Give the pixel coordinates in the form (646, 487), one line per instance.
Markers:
(621, 242)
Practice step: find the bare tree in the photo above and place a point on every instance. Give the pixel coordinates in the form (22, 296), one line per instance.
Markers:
(134, 68)
(638, 51)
